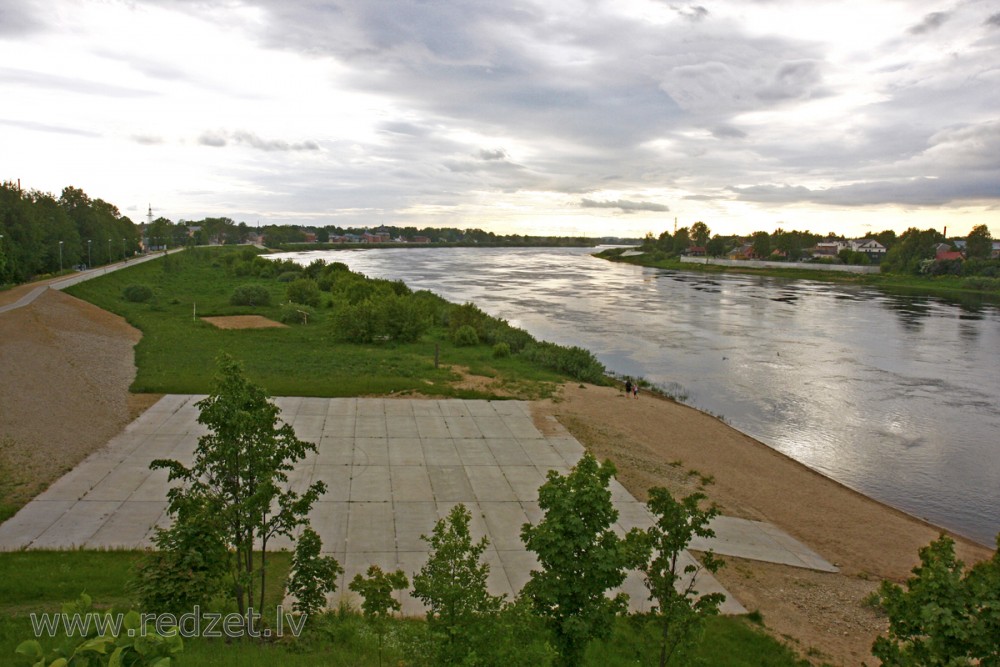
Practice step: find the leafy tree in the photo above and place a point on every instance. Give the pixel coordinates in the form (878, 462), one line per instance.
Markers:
(665, 242)
(945, 617)
(304, 291)
(580, 555)
(238, 470)
(679, 612)
(912, 247)
(716, 246)
(979, 243)
(452, 584)
(682, 240)
(312, 576)
(376, 588)
(761, 244)
(700, 233)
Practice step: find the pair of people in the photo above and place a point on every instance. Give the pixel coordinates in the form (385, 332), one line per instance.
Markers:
(632, 389)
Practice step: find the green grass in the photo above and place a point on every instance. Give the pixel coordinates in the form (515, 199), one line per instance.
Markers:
(948, 286)
(40, 581)
(178, 349)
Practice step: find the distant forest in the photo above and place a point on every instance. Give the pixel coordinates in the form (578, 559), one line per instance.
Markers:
(41, 234)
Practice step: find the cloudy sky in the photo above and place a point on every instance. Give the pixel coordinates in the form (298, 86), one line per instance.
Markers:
(587, 117)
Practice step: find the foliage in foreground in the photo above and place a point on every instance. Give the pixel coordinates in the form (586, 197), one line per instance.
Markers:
(234, 484)
(947, 616)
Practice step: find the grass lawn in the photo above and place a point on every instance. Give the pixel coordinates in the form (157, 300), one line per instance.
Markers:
(41, 581)
(178, 349)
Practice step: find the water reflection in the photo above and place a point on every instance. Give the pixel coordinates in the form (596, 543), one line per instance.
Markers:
(890, 392)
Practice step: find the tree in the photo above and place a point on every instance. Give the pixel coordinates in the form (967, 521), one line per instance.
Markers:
(312, 576)
(665, 242)
(452, 584)
(581, 557)
(238, 470)
(682, 240)
(700, 233)
(679, 612)
(979, 243)
(912, 247)
(946, 617)
(376, 588)
(761, 244)
(716, 246)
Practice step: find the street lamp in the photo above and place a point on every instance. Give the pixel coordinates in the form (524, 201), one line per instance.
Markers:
(90, 261)
(109, 251)
(123, 250)
(60, 256)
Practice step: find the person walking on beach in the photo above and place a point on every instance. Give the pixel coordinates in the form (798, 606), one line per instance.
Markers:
(628, 387)
(635, 391)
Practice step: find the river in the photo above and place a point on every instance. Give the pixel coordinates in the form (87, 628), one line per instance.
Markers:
(893, 395)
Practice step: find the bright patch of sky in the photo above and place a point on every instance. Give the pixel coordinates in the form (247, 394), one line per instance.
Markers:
(584, 117)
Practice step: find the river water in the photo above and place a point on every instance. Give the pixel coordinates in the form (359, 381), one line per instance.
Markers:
(894, 395)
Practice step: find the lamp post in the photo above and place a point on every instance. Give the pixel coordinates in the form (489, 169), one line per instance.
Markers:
(90, 261)
(109, 251)
(123, 250)
(60, 256)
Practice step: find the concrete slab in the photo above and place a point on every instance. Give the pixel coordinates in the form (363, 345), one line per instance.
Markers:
(392, 468)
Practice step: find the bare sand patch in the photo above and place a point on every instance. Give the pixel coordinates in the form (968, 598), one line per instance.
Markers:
(243, 322)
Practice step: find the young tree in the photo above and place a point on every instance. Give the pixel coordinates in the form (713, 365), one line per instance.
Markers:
(580, 555)
(761, 244)
(312, 576)
(376, 588)
(238, 472)
(452, 584)
(945, 617)
(679, 612)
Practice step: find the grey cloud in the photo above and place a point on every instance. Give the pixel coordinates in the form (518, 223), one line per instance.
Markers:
(931, 22)
(728, 132)
(906, 192)
(624, 205)
(994, 20)
(147, 139)
(497, 154)
(218, 139)
(693, 13)
(214, 139)
(18, 20)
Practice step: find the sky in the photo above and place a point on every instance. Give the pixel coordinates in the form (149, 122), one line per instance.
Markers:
(565, 117)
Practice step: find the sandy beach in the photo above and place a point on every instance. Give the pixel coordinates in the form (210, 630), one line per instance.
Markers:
(67, 367)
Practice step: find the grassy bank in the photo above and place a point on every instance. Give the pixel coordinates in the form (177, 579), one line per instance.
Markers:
(947, 286)
(311, 358)
(41, 581)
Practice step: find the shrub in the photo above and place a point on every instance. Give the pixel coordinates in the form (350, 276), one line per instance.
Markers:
(289, 276)
(312, 575)
(304, 291)
(250, 295)
(295, 313)
(578, 363)
(403, 318)
(501, 351)
(465, 336)
(137, 293)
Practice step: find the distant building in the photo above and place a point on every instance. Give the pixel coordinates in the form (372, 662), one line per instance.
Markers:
(420, 239)
(875, 250)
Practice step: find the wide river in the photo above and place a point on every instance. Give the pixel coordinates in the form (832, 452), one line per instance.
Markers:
(896, 396)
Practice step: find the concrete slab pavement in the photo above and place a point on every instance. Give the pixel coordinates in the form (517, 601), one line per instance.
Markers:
(392, 468)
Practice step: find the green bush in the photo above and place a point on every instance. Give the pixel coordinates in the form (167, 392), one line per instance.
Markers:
(358, 323)
(250, 295)
(304, 291)
(137, 293)
(295, 313)
(465, 336)
(578, 363)
(289, 276)
(501, 351)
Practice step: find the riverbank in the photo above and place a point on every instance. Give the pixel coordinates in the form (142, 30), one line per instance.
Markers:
(655, 441)
(947, 286)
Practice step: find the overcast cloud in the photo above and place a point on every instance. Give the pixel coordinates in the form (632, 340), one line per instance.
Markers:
(582, 116)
